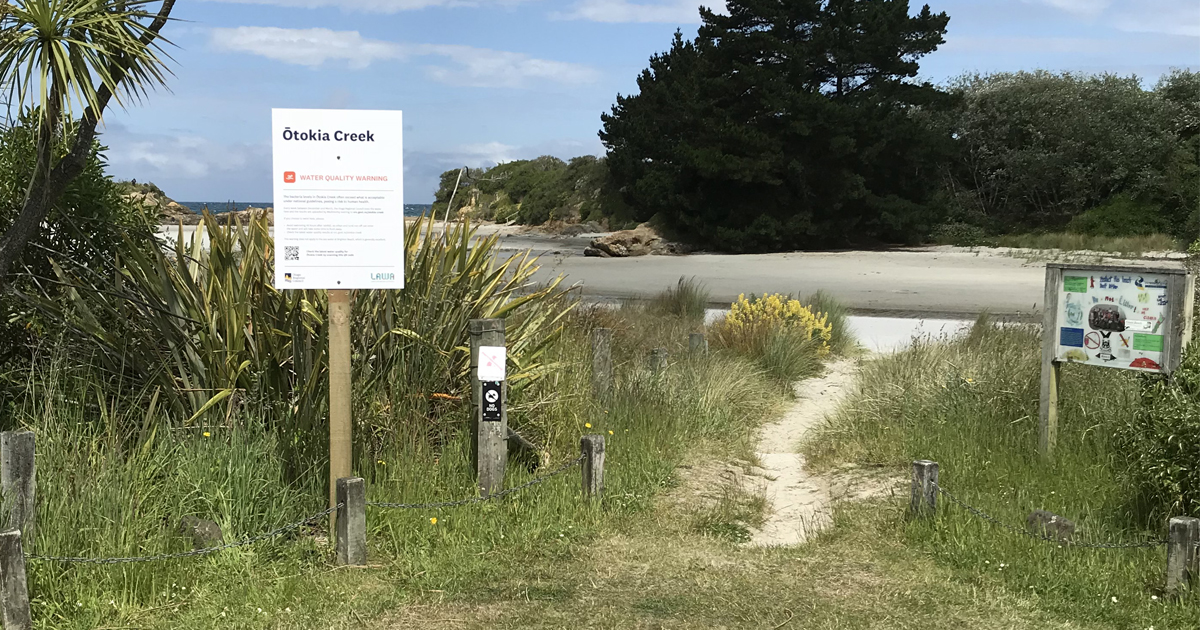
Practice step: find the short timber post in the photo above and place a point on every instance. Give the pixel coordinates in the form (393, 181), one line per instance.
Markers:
(601, 362)
(698, 344)
(924, 488)
(592, 447)
(490, 427)
(18, 480)
(14, 594)
(1048, 401)
(351, 521)
(658, 361)
(1182, 536)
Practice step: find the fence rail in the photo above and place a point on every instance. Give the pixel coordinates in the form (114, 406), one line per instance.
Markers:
(1182, 542)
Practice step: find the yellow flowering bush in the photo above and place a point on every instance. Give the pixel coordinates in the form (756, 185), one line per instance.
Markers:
(787, 338)
(774, 311)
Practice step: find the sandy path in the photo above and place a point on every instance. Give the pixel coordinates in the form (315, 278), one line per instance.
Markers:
(801, 502)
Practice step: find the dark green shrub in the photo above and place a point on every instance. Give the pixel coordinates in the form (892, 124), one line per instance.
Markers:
(1161, 444)
(1121, 215)
(960, 234)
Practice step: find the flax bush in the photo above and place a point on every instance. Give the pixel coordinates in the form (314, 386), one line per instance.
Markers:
(198, 328)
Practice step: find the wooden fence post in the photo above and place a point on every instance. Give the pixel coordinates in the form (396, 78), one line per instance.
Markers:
(490, 444)
(601, 362)
(592, 447)
(924, 488)
(18, 480)
(1183, 532)
(14, 594)
(698, 343)
(352, 521)
(658, 361)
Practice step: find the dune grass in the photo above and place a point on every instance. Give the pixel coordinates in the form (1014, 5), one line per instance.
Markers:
(971, 405)
(1130, 246)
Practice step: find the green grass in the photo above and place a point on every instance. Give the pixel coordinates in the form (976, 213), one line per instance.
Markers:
(1130, 246)
(104, 496)
(971, 405)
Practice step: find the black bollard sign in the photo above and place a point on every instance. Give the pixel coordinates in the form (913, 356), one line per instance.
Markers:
(493, 400)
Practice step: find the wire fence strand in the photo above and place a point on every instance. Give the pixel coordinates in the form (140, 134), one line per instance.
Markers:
(278, 531)
(1043, 536)
(481, 499)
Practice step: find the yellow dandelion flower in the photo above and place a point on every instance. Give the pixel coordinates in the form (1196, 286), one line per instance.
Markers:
(382, 463)
(207, 434)
(587, 425)
(433, 520)
(610, 432)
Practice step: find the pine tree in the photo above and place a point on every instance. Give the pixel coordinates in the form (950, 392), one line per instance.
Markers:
(785, 124)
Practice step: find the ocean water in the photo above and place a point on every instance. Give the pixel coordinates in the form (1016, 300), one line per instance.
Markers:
(410, 209)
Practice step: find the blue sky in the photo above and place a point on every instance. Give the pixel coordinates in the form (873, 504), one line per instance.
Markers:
(483, 81)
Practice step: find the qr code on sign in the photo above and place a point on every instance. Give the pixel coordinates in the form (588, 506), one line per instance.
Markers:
(291, 252)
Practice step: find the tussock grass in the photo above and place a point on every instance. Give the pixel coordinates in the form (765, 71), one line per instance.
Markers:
(688, 299)
(971, 405)
(1131, 246)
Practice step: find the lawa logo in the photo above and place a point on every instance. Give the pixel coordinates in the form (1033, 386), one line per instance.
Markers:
(383, 277)
(289, 177)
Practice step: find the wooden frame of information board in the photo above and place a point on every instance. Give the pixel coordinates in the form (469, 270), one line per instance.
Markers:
(1163, 304)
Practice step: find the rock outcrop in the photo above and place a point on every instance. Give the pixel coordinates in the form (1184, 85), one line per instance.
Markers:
(168, 211)
(640, 241)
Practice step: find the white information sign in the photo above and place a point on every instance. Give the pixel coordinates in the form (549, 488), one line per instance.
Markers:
(1114, 319)
(339, 199)
(491, 363)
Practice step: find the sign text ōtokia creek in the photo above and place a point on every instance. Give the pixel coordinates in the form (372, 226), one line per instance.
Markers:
(339, 199)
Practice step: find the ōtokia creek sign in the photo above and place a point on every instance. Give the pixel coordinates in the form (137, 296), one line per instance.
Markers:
(339, 199)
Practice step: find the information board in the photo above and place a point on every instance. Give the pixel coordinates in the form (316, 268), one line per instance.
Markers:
(1113, 319)
(339, 199)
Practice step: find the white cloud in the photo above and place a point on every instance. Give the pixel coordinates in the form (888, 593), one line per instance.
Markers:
(374, 6)
(1159, 16)
(669, 11)
(185, 165)
(1173, 17)
(1083, 8)
(306, 47)
(470, 66)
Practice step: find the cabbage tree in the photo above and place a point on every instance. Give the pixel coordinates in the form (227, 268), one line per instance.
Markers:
(67, 61)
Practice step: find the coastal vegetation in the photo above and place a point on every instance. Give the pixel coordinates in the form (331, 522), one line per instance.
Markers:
(725, 147)
(1121, 470)
(186, 385)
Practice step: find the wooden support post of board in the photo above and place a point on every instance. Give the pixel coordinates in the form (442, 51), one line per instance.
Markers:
(18, 480)
(602, 362)
(698, 344)
(340, 423)
(924, 489)
(658, 361)
(14, 593)
(489, 445)
(592, 449)
(1182, 536)
(352, 521)
(1048, 401)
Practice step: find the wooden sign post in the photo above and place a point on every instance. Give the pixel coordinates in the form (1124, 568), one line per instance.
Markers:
(340, 433)
(1116, 316)
(339, 226)
(489, 394)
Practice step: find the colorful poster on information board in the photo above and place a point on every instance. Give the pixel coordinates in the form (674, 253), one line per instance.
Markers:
(339, 199)
(1113, 319)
